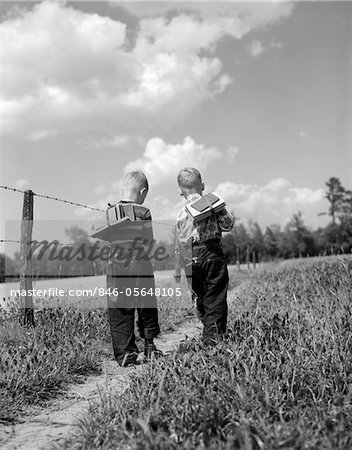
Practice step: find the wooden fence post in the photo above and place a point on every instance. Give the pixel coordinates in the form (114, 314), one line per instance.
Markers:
(247, 257)
(253, 257)
(26, 301)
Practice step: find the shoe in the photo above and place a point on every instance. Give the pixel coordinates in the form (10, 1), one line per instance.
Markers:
(150, 350)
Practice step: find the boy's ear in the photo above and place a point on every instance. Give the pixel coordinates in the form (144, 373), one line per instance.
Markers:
(143, 191)
(180, 192)
(202, 186)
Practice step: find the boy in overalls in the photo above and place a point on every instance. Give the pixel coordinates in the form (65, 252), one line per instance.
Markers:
(199, 245)
(129, 275)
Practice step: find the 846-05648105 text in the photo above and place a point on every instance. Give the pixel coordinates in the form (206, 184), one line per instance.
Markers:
(98, 292)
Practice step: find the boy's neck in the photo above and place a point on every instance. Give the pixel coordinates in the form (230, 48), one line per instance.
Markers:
(131, 197)
(189, 194)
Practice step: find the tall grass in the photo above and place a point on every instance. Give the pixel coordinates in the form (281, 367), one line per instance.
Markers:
(68, 342)
(282, 379)
(35, 363)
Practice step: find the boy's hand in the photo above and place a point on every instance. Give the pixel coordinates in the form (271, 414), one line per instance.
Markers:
(177, 277)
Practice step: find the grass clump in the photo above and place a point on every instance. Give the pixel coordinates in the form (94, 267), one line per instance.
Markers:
(282, 378)
(35, 363)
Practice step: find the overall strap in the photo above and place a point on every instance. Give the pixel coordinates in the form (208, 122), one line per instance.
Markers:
(131, 210)
(128, 209)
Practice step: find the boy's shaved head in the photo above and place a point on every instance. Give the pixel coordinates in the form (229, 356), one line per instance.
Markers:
(134, 187)
(135, 180)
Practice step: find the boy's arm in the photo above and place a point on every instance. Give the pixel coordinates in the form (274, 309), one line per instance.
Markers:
(225, 220)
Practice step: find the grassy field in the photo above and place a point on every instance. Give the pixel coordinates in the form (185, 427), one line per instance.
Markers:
(281, 380)
(68, 343)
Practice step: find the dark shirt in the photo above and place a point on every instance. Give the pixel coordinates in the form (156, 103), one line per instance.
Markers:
(139, 226)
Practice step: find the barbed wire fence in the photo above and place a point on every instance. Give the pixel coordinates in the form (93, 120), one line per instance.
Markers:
(26, 301)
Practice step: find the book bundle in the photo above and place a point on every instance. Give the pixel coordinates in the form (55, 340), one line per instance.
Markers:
(205, 206)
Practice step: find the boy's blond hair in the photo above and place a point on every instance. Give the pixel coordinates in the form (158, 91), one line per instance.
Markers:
(189, 178)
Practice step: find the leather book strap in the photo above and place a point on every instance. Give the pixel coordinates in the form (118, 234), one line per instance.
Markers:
(210, 205)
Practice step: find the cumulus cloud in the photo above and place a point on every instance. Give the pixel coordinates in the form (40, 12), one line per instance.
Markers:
(275, 202)
(162, 160)
(256, 47)
(68, 69)
(250, 13)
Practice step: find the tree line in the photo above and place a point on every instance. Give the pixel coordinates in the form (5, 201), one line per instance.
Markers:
(245, 243)
(295, 239)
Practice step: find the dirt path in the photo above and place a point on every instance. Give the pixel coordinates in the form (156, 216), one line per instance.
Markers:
(50, 424)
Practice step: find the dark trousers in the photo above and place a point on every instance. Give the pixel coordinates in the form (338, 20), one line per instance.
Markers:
(208, 279)
(122, 307)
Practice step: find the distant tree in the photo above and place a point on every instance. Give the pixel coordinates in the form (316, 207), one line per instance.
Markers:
(338, 234)
(339, 198)
(256, 237)
(298, 240)
(272, 239)
(338, 237)
(346, 207)
(241, 240)
(229, 248)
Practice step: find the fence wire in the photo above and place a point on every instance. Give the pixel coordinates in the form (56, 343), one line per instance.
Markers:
(8, 188)
(49, 197)
(57, 199)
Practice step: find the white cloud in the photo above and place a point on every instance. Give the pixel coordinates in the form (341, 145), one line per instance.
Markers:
(307, 196)
(116, 141)
(278, 184)
(256, 48)
(276, 44)
(249, 12)
(275, 202)
(68, 69)
(162, 160)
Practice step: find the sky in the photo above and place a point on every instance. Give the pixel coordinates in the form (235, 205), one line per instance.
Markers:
(257, 96)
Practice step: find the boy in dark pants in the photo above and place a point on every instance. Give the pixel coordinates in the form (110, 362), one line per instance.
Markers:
(129, 275)
(200, 247)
